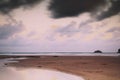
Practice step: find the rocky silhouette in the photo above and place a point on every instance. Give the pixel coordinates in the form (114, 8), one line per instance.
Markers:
(118, 51)
(97, 51)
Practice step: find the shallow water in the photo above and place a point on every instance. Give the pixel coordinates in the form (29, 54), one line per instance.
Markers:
(14, 73)
(9, 60)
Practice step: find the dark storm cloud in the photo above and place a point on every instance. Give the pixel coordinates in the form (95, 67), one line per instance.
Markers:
(115, 9)
(64, 8)
(8, 5)
(69, 8)
(8, 30)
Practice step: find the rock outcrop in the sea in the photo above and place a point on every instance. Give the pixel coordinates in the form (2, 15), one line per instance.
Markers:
(97, 51)
(118, 51)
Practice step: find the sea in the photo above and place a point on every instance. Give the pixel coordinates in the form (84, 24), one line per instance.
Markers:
(59, 54)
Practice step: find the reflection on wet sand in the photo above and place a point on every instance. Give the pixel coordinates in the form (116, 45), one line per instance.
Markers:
(13, 73)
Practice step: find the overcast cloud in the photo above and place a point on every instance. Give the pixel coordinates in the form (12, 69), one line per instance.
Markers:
(59, 25)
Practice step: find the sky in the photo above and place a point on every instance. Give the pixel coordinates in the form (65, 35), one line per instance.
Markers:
(59, 25)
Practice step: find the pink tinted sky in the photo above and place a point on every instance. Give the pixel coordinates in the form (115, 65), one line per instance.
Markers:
(35, 30)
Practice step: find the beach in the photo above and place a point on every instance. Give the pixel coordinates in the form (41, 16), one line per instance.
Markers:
(89, 67)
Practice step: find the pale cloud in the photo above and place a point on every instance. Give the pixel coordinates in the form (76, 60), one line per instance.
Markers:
(92, 30)
(2, 20)
(68, 30)
(9, 30)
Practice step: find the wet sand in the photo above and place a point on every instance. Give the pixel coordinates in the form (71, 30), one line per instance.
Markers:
(89, 67)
